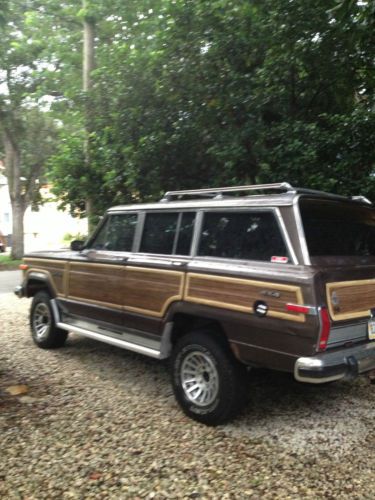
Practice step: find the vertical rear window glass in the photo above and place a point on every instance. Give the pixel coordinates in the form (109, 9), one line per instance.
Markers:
(241, 235)
(338, 229)
(159, 233)
(168, 233)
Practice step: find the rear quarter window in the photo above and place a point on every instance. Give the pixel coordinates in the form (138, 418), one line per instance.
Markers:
(241, 235)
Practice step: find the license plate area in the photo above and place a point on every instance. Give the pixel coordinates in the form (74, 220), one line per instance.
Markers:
(371, 329)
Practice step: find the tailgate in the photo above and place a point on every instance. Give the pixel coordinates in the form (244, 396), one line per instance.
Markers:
(350, 304)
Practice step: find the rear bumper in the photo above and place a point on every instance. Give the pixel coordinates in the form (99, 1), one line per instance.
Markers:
(339, 364)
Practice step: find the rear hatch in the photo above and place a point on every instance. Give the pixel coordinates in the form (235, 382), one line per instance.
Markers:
(340, 239)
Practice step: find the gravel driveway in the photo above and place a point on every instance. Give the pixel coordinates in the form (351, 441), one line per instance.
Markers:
(98, 422)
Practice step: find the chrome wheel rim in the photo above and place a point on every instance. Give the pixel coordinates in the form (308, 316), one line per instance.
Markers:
(42, 320)
(199, 378)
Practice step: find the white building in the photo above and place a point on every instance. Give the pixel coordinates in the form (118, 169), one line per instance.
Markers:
(44, 229)
(5, 207)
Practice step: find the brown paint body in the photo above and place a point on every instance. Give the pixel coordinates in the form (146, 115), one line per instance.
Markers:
(114, 290)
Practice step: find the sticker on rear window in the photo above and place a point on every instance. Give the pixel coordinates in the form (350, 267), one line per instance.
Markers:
(280, 260)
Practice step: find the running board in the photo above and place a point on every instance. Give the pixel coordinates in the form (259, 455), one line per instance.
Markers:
(130, 346)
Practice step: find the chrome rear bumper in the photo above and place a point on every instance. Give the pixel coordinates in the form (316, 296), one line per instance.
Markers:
(339, 364)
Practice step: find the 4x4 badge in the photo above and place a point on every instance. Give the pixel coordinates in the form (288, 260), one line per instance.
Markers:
(270, 293)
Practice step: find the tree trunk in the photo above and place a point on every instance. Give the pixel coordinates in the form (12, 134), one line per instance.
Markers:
(88, 66)
(18, 212)
(17, 197)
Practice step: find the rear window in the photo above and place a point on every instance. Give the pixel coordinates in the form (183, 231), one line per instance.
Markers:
(338, 229)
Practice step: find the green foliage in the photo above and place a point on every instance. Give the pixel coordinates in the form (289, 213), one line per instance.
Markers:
(210, 92)
(8, 263)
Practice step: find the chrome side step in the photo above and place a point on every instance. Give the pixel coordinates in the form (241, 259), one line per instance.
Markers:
(130, 346)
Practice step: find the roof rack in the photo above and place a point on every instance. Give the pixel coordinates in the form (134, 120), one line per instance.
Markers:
(218, 193)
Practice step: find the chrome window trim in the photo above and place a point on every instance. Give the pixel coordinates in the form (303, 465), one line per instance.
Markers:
(196, 234)
(286, 236)
(178, 227)
(301, 232)
(139, 231)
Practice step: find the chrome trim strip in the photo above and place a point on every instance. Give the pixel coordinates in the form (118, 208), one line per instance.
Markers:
(197, 232)
(138, 232)
(153, 353)
(301, 232)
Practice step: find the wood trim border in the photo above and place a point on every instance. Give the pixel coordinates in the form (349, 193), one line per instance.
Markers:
(331, 287)
(246, 309)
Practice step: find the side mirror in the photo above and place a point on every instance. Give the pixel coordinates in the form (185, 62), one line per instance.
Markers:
(77, 245)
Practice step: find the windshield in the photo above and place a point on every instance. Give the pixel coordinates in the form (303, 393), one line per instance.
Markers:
(338, 229)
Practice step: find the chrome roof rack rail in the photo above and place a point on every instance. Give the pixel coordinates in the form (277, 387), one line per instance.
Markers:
(219, 192)
(362, 199)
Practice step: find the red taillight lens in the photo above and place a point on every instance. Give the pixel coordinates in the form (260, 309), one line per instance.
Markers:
(325, 327)
(23, 267)
(298, 308)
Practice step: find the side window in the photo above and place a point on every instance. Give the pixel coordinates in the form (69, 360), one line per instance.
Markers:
(168, 233)
(241, 235)
(117, 233)
(159, 233)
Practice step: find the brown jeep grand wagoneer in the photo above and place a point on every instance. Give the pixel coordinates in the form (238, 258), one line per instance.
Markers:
(219, 280)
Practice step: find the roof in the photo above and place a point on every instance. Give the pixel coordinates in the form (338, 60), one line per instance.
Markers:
(228, 197)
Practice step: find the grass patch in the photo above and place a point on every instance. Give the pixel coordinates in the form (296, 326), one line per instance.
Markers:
(7, 263)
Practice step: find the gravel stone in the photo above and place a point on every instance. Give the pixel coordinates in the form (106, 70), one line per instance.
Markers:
(102, 423)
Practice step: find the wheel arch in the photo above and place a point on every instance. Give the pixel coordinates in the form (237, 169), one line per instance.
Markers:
(36, 282)
(183, 318)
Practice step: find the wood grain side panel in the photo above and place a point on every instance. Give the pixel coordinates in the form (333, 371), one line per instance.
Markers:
(97, 283)
(150, 291)
(350, 299)
(53, 269)
(240, 294)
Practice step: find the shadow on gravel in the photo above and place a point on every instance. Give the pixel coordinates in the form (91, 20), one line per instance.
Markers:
(271, 394)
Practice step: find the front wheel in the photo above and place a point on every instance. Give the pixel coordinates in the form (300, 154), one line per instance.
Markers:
(207, 381)
(44, 331)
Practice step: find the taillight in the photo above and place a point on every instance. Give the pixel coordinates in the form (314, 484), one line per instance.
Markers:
(297, 308)
(23, 267)
(325, 327)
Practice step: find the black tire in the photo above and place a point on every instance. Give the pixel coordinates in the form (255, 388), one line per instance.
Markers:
(198, 360)
(44, 331)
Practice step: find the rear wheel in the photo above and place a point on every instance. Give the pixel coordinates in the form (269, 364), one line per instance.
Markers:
(207, 380)
(44, 331)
